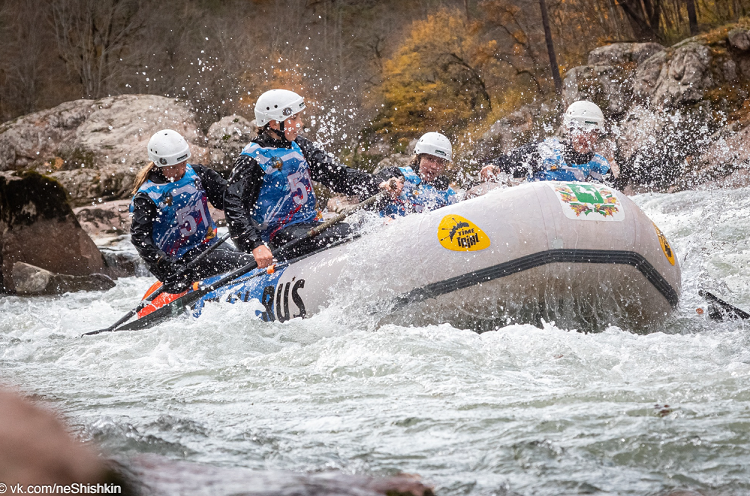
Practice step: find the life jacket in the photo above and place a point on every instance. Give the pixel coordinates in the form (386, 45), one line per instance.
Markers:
(286, 196)
(552, 152)
(182, 222)
(418, 196)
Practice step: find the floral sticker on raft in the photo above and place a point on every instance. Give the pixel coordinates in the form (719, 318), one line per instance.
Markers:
(585, 201)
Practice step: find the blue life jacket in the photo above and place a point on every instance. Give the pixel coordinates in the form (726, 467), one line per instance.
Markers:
(418, 196)
(286, 196)
(556, 169)
(182, 222)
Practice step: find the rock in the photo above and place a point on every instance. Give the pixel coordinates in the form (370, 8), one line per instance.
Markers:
(38, 227)
(124, 263)
(37, 448)
(607, 86)
(729, 71)
(739, 39)
(725, 163)
(379, 150)
(394, 160)
(95, 147)
(655, 145)
(623, 53)
(162, 476)
(507, 133)
(677, 80)
(105, 219)
(30, 280)
(411, 146)
(227, 138)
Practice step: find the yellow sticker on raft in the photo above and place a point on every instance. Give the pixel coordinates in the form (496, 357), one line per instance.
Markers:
(665, 245)
(459, 234)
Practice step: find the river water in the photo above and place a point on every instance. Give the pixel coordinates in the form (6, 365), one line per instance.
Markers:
(520, 410)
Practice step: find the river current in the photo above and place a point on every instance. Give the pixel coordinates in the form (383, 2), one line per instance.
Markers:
(518, 410)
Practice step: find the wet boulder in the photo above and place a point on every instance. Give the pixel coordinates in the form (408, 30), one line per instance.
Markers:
(508, 132)
(105, 219)
(725, 162)
(655, 146)
(227, 138)
(393, 160)
(94, 148)
(157, 475)
(38, 227)
(676, 78)
(609, 86)
(607, 80)
(38, 449)
(739, 38)
(34, 281)
(623, 53)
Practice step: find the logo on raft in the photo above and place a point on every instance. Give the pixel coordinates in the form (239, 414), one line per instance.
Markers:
(459, 234)
(665, 247)
(588, 201)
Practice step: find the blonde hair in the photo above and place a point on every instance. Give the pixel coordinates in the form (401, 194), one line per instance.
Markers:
(142, 176)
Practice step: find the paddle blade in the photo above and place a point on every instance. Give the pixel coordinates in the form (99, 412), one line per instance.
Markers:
(720, 310)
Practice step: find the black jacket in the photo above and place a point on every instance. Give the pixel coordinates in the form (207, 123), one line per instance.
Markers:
(526, 160)
(145, 212)
(441, 182)
(243, 187)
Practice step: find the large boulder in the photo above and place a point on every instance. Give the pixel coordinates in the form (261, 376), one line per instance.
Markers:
(38, 227)
(725, 162)
(33, 281)
(96, 147)
(608, 86)
(607, 80)
(39, 449)
(655, 146)
(739, 38)
(623, 53)
(676, 79)
(666, 107)
(510, 131)
(105, 219)
(227, 138)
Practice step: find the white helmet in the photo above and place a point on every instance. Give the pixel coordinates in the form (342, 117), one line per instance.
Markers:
(167, 148)
(435, 144)
(277, 105)
(584, 115)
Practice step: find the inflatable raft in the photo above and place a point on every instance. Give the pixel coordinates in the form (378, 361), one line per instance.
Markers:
(581, 255)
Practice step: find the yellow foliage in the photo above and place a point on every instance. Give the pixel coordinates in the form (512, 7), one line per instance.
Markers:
(434, 81)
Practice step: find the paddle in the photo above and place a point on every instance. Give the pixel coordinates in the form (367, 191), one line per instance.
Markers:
(177, 306)
(160, 290)
(719, 309)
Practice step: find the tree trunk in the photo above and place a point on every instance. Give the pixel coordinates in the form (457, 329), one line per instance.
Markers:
(692, 17)
(550, 48)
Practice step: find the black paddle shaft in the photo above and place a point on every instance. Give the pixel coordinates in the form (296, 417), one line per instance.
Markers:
(178, 306)
(160, 290)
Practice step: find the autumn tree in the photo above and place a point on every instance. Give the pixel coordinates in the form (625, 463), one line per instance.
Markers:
(435, 79)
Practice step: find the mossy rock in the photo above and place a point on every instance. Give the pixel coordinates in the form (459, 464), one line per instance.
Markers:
(32, 197)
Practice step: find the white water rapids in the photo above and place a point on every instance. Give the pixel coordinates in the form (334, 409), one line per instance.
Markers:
(521, 409)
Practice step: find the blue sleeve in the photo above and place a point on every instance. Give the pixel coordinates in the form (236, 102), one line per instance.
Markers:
(602, 165)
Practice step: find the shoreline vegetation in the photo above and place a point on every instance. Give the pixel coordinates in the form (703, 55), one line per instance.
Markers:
(79, 99)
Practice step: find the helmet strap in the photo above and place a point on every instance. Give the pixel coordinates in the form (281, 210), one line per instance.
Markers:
(276, 133)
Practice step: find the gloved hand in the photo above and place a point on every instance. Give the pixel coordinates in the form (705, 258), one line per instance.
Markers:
(172, 274)
(177, 283)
